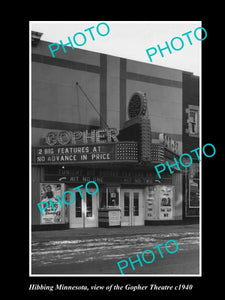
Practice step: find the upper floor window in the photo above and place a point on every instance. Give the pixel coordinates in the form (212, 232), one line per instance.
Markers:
(192, 120)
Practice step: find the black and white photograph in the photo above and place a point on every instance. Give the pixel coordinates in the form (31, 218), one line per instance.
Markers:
(116, 152)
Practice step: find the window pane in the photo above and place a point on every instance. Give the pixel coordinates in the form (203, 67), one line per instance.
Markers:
(193, 123)
(89, 206)
(193, 128)
(136, 204)
(113, 197)
(78, 205)
(193, 115)
(126, 204)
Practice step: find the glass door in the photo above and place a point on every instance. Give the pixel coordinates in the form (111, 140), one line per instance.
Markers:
(83, 212)
(132, 207)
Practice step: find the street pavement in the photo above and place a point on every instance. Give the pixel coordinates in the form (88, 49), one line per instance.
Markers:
(96, 251)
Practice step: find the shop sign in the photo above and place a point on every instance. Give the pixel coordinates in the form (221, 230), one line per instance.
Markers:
(122, 151)
(82, 137)
(168, 142)
(185, 165)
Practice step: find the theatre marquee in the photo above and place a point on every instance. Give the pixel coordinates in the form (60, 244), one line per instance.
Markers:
(91, 153)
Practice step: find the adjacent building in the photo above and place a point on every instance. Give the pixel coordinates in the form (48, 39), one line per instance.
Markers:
(190, 138)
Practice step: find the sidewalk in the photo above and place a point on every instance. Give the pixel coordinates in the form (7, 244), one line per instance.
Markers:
(87, 233)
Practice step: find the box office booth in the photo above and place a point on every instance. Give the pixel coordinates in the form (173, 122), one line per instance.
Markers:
(120, 162)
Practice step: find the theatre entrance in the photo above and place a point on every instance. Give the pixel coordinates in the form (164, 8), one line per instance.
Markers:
(132, 207)
(83, 212)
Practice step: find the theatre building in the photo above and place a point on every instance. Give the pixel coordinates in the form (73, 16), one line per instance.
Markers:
(100, 124)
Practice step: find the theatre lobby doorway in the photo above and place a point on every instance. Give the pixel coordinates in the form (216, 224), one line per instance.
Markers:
(132, 207)
(83, 213)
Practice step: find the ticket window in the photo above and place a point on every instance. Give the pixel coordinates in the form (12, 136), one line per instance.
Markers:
(109, 197)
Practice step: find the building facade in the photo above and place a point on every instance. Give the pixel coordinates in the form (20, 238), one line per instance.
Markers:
(109, 120)
(191, 134)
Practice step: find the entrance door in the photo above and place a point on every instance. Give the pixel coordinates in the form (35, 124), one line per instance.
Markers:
(83, 212)
(132, 207)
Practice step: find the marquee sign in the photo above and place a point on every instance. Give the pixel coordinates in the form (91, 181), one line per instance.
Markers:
(168, 142)
(82, 137)
(160, 154)
(121, 151)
